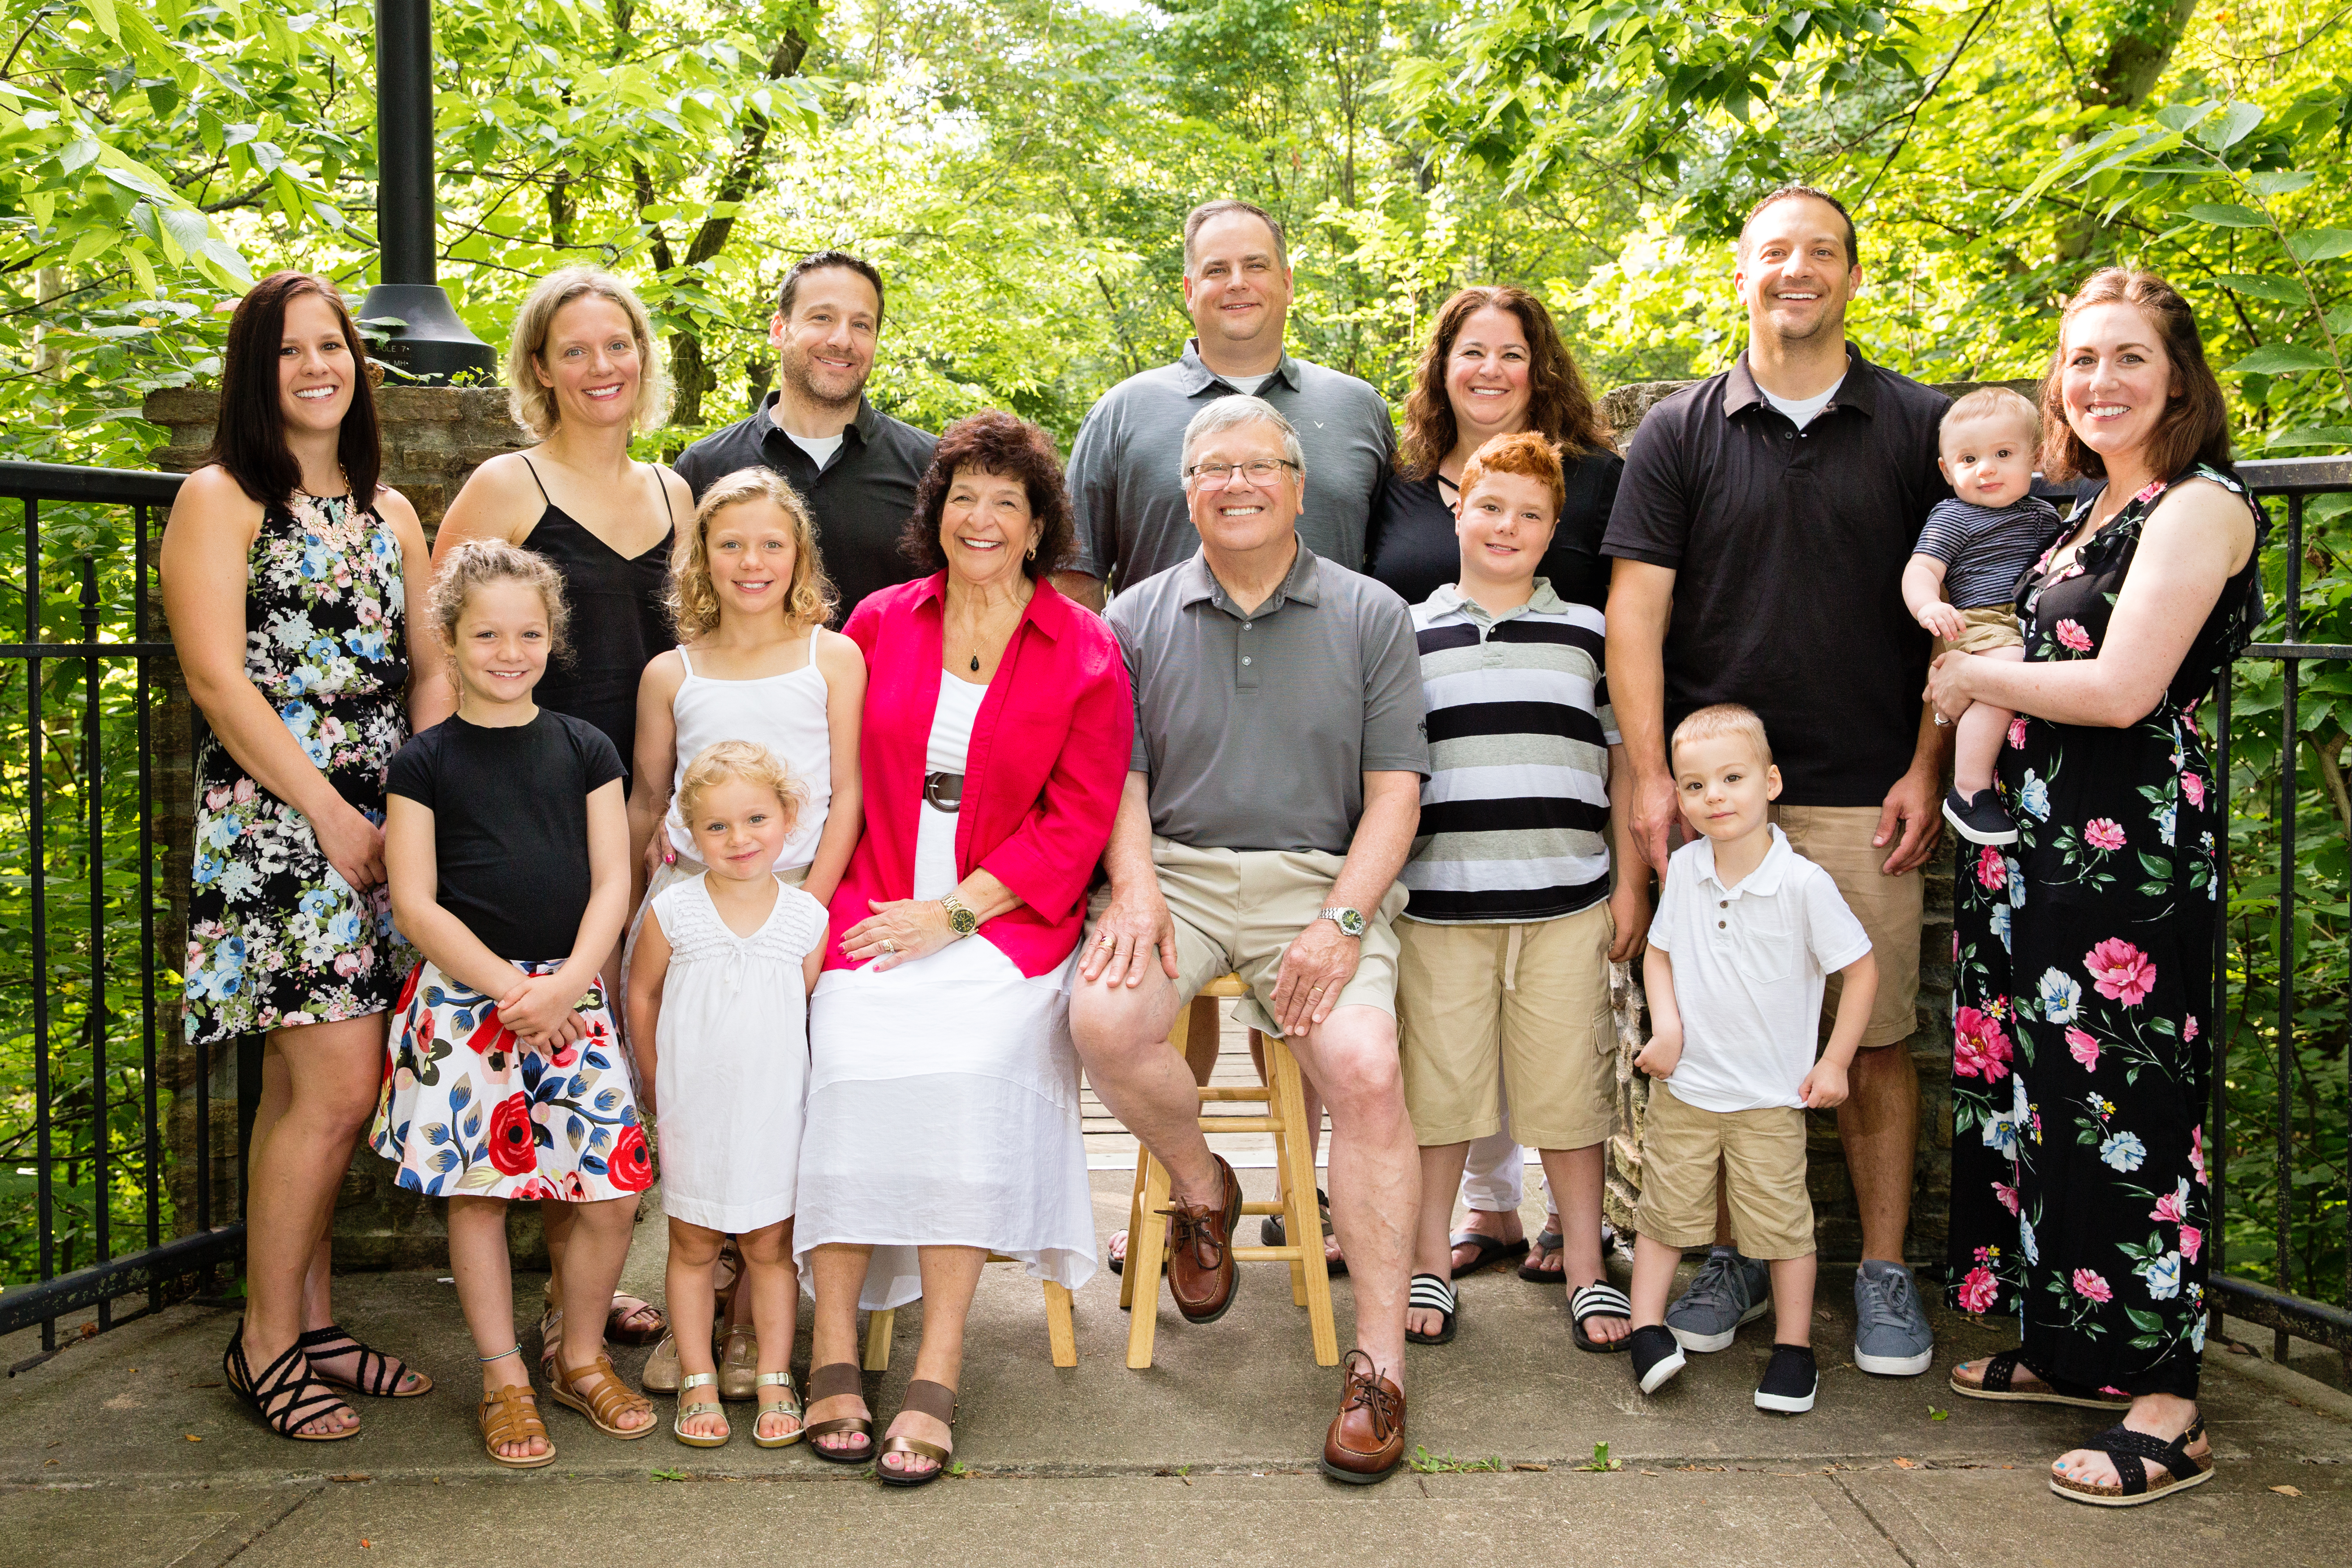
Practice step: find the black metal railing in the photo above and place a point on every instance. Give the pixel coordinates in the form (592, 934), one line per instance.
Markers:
(2294, 480)
(86, 575)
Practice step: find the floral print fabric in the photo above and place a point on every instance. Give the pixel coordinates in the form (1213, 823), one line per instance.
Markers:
(276, 937)
(2084, 960)
(467, 1108)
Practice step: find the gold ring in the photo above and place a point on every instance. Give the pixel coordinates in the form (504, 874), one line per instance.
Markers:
(1107, 940)
(889, 946)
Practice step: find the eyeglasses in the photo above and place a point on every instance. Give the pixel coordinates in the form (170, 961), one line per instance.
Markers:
(1217, 476)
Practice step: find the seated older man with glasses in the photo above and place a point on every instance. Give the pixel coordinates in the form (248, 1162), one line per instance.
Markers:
(1270, 802)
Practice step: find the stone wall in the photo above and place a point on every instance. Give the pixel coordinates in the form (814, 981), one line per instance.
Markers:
(433, 438)
(1836, 1221)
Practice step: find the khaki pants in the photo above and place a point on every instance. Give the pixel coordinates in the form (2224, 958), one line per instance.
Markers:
(1527, 1005)
(1237, 910)
(1763, 1156)
(1837, 839)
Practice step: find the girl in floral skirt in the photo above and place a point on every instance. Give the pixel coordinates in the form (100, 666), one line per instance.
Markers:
(507, 841)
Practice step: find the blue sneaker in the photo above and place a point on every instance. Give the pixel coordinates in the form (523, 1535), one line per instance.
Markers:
(1727, 1291)
(1891, 1336)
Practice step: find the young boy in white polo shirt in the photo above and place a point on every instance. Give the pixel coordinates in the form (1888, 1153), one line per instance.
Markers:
(1745, 932)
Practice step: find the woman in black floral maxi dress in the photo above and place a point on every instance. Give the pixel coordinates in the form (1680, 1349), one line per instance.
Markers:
(2083, 953)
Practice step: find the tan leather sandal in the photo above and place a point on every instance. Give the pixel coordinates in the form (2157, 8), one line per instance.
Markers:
(690, 1402)
(739, 1364)
(597, 1392)
(785, 1404)
(511, 1415)
(839, 1381)
(924, 1397)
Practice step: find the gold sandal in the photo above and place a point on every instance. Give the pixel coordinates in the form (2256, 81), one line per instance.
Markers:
(924, 1397)
(688, 1404)
(788, 1405)
(604, 1401)
(511, 1415)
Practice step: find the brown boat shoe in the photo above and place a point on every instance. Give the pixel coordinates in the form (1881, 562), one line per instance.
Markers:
(1366, 1441)
(1200, 1251)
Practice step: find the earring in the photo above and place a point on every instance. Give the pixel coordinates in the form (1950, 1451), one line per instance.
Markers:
(1031, 553)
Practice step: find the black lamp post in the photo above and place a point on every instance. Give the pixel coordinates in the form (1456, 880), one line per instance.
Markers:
(428, 340)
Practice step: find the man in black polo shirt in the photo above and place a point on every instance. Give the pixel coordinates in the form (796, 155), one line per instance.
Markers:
(855, 467)
(1759, 534)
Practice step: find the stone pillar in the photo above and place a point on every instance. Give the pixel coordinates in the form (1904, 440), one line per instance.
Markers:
(433, 438)
(1838, 1224)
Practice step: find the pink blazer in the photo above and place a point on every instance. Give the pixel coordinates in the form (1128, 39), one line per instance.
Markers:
(1048, 758)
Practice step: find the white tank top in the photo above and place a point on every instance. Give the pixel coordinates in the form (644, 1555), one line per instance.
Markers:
(784, 713)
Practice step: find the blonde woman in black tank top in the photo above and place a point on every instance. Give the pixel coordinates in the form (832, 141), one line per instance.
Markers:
(582, 379)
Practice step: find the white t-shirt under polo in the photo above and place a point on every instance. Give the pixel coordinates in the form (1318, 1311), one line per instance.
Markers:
(1748, 963)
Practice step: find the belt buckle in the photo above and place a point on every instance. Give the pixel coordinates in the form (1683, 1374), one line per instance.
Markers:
(943, 792)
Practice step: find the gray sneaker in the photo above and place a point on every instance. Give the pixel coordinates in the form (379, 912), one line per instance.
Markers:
(1727, 1291)
(1891, 1336)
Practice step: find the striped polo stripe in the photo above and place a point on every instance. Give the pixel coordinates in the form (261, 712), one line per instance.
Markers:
(1515, 813)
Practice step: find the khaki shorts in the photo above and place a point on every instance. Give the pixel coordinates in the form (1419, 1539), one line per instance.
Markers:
(1236, 911)
(1763, 1155)
(1989, 627)
(1837, 839)
(1482, 1005)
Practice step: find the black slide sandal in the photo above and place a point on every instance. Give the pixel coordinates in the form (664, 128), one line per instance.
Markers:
(1600, 1299)
(1431, 1294)
(2131, 1451)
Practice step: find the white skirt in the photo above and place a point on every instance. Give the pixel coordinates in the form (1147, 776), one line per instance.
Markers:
(943, 1111)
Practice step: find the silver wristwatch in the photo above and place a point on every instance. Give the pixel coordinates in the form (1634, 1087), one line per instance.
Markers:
(1350, 922)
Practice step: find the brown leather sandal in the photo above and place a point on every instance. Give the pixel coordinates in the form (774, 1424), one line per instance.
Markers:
(924, 1397)
(511, 1415)
(604, 1401)
(836, 1382)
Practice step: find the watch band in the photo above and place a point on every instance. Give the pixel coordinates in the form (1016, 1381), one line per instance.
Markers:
(962, 919)
(1350, 922)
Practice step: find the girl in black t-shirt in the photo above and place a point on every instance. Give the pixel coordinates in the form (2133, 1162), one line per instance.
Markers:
(508, 846)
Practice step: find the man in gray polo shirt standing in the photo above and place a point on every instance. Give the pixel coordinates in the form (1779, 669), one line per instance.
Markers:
(1131, 521)
(1272, 798)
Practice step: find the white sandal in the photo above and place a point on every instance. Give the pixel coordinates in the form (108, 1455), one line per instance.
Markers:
(689, 1405)
(789, 1404)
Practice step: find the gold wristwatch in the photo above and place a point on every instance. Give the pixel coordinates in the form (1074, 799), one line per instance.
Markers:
(961, 919)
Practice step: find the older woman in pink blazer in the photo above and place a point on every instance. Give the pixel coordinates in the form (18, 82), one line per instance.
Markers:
(943, 1089)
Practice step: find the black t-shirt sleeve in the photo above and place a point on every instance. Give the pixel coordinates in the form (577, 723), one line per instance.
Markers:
(600, 760)
(413, 771)
(1650, 517)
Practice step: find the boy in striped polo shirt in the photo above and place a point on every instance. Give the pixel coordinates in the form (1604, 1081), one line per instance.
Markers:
(1503, 973)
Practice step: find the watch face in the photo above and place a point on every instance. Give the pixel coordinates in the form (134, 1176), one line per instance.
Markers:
(1351, 922)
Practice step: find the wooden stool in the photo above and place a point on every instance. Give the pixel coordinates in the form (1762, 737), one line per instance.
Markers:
(1286, 1118)
(1060, 1333)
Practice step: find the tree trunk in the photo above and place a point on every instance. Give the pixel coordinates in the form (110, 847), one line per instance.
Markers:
(690, 373)
(2135, 60)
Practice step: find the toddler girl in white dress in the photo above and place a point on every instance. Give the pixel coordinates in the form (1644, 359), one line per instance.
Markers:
(717, 1005)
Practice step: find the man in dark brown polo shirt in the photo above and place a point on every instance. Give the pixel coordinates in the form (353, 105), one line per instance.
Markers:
(1760, 535)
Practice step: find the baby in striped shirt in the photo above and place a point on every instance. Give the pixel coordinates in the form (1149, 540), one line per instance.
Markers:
(1961, 581)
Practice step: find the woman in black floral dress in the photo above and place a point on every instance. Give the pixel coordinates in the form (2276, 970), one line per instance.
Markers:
(2085, 956)
(290, 577)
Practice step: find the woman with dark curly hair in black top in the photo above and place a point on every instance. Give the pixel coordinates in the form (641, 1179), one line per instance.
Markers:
(1495, 365)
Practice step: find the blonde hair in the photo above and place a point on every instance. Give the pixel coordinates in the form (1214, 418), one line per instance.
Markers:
(1523, 453)
(1719, 719)
(480, 562)
(748, 760)
(533, 403)
(1995, 402)
(694, 603)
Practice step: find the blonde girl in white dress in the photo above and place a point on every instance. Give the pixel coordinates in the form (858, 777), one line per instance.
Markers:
(749, 600)
(718, 1021)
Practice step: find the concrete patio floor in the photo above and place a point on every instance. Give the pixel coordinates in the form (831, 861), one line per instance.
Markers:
(125, 1452)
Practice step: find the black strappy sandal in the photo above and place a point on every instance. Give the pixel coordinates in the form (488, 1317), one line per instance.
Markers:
(1598, 1300)
(380, 1374)
(286, 1396)
(834, 1381)
(924, 1397)
(2131, 1451)
(2000, 1383)
(1431, 1293)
